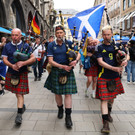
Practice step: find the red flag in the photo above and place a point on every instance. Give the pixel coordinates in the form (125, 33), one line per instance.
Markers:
(35, 24)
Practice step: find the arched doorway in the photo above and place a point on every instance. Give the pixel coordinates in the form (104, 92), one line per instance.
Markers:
(19, 15)
(30, 17)
(3, 21)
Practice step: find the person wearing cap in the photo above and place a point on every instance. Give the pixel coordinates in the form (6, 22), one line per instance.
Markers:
(61, 80)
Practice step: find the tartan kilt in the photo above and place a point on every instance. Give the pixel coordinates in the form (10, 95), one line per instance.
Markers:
(92, 71)
(52, 82)
(102, 92)
(21, 88)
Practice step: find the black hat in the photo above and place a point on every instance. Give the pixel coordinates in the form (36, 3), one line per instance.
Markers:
(132, 41)
(59, 28)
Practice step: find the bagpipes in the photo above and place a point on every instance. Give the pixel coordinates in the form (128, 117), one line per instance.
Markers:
(120, 54)
(21, 55)
(71, 52)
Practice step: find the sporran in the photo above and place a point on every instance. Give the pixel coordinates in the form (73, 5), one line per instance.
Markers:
(15, 79)
(62, 78)
(111, 85)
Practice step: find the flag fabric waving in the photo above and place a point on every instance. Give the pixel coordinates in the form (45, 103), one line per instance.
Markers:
(35, 24)
(87, 20)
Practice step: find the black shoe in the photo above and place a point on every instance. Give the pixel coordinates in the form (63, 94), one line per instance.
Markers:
(24, 108)
(18, 119)
(60, 113)
(68, 121)
(39, 79)
(105, 129)
(2, 92)
(35, 79)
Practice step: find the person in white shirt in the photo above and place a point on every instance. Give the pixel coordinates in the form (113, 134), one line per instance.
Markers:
(38, 52)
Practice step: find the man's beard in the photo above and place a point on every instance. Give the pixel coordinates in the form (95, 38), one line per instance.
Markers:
(107, 41)
(59, 39)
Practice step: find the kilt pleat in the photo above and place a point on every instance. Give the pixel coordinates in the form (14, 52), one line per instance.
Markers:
(92, 71)
(52, 82)
(21, 88)
(102, 91)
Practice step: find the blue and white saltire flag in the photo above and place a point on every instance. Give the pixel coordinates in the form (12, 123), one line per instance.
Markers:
(87, 20)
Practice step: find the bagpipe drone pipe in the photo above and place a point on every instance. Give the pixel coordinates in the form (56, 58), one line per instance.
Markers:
(71, 54)
(120, 54)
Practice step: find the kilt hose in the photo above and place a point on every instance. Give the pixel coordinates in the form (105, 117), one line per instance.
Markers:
(102, 92)
(92, 71)
(21, 88)
(52, 82)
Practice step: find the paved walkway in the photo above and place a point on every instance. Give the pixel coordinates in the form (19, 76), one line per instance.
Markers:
(40, 117)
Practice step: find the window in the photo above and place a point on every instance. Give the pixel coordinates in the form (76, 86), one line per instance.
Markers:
(115, 5)
(123, 25)
(129, 3)
(128, 23)
(124, 5)
(114, 21)
(134, 21)
(119, 3)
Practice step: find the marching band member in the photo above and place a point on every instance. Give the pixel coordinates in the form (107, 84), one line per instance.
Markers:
(61, 80)
(17, 74)
(108, 83)
(91, 73)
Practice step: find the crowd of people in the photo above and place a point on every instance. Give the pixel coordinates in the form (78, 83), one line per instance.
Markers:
(100, 66)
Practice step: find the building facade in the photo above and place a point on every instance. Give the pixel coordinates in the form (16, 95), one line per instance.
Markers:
(127, 20)
(19, 13)
(121, 14)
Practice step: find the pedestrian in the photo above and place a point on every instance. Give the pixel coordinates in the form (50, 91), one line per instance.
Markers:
(91, 73)
(17, 74)
(108, 83)
(46, 65)
(2, 67)
(38, 52)
(131, 63)
(61, 80)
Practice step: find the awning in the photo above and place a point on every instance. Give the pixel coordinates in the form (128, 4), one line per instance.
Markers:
(132, 14)
(123, 18)
(23, 34)
(3, 30)
(120, 20)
